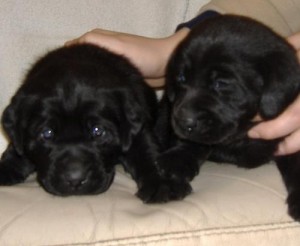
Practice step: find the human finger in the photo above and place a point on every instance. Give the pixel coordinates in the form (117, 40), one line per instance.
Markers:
(283, 125)
(294, 40)
(290, 144)
(91, 37)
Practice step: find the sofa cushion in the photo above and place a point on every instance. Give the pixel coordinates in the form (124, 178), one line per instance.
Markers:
(229, 205)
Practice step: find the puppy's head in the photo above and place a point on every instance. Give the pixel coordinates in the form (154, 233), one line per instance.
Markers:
(73, 118)
(225, 72)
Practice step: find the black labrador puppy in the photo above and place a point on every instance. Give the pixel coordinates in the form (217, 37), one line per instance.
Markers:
(80, 111)
(228, 70)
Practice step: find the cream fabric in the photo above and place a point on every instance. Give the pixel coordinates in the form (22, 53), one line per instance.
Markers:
(282, 16)
(229, 206)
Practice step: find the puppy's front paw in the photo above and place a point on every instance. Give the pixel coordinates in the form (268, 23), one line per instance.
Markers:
(13, 167)
(9, 176)
(293, 202)
(163, 190)
(175, 166)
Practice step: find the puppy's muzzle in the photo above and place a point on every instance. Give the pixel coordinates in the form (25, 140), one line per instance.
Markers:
(184, 119)
(76, 176)
(187, 121)
(192, 125)
(187, 124)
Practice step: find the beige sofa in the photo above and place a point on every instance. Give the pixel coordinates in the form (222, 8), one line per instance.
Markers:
(229, 206)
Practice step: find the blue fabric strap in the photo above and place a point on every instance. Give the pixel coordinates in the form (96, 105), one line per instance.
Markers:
(193, 22)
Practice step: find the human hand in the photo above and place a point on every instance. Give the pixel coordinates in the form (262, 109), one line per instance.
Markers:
(294, 40)
(287, 124)
(149, 55)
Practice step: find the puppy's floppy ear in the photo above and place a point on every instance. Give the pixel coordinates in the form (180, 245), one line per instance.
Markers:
(133, 122)
(170, 90)
(177, 73)
(172, 72)
(281, 74)
(14, 120)
(11, 127)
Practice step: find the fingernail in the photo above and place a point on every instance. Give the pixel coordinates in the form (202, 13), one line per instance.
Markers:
(253, 134)
(277, 153)
(280, 150)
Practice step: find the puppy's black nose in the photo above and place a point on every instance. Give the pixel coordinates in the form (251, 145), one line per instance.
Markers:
(190, 123)
(185, 119)
(187, 124)
(76, 176)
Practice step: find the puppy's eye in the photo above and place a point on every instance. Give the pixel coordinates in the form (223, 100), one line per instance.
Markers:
(98, 131)
(220, 84)
(181, 77)
(47, 134)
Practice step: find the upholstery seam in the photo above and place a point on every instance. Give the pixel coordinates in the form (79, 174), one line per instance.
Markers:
(146, 239)
(280, 14)
(187, 5)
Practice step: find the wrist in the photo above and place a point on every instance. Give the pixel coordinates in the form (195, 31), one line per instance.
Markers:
(168, 46)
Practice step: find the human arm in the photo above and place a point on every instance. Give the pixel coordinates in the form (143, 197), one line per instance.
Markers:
(150, 55)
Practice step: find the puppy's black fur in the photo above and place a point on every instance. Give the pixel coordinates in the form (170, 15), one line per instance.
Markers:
(228, 70)
(80, 111)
